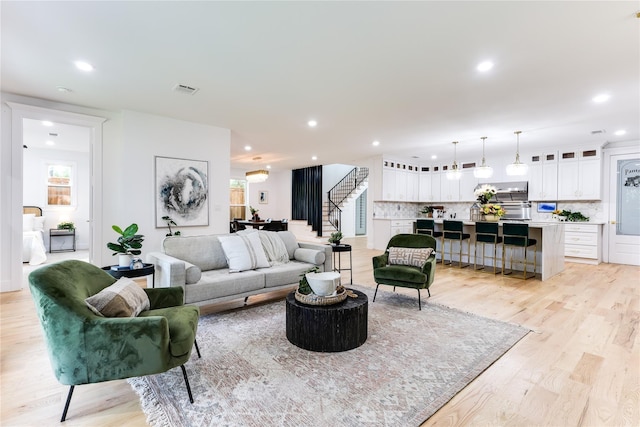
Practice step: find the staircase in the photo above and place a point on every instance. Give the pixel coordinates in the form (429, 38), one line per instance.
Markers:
(342, 193)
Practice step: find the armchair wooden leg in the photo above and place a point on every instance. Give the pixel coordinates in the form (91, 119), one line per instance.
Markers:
(66, 405)
(186, 381)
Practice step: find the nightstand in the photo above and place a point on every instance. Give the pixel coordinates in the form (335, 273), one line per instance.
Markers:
(55, 232)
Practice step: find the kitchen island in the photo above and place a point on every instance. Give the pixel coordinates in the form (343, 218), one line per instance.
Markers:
(549, 250)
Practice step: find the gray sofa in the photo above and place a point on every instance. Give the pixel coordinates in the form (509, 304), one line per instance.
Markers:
(198, 264)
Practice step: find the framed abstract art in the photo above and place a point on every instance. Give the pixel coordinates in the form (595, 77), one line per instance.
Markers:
(181, 191)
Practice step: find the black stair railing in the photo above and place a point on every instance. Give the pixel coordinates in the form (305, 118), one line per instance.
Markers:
(341, 191)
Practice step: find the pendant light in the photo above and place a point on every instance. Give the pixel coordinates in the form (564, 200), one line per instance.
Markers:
(454, 172)
(516, 168)
(257, 176)
(483, 171)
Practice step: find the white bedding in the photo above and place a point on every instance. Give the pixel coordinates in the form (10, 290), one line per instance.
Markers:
(33, 250)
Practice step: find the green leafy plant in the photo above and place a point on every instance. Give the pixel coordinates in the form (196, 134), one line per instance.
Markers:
(335, 237)
(68, 225)
(571, 216)
(490, 209)
(170, 222)
(253, 210)
(129, 242)
(427, 210)
(303, 284)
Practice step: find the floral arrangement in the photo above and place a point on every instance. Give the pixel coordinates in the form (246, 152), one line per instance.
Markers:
(489, 209)
(485, 193)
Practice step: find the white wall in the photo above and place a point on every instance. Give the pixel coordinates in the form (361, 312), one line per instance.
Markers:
(278, 188)
(35, 163)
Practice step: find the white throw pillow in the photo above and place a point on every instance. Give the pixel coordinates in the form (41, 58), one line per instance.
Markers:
(27, 222)
(243, 252)
(124, 298)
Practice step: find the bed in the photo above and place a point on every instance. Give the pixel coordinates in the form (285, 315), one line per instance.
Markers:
(33, 250)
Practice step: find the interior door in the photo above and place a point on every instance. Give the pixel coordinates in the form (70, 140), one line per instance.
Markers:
(624, 209)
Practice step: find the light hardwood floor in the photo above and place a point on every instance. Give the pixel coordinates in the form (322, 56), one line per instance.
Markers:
(579, 367)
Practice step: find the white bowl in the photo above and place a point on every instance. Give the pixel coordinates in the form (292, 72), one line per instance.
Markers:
(323, 284)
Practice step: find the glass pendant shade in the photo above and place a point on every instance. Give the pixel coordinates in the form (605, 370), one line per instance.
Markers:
(257, 176)
(517, 168)
(483, 171)
(454, 172)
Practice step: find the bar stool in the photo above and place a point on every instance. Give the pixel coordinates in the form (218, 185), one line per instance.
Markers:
(427, 226)
(486, 234)
(453, 231)
(517, 236)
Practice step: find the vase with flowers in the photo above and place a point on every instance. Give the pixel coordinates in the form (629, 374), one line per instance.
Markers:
(485, 193)
(492, 212)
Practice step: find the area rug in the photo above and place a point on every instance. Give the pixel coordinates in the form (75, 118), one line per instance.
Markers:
(412, 363)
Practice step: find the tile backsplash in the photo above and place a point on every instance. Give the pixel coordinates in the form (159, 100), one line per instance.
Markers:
(461, 210)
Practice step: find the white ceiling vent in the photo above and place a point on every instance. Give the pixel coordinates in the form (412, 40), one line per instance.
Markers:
(189, 90)
(598, 132)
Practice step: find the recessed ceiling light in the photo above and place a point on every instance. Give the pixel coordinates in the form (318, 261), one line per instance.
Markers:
(484, 66)
(433, 157)
(312, 123)
(268, 166)
(603, 97)
(314, 158)
(63, 89)
(49, 142)
(247, 148)
(375, 143)
(47, 123)
(83, 66)
(620, 132)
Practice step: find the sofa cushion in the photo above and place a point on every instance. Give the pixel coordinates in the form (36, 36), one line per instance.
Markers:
(122, 299)
(202, 251)
(220, 283)
(311, 256)
(415, 257)
(284, 274)
(290, 242)
(243, 252)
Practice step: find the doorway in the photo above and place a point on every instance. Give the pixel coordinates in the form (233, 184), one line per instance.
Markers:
(20, 112)
(624, 209)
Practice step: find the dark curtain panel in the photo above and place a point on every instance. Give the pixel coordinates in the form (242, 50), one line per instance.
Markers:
(306, 196)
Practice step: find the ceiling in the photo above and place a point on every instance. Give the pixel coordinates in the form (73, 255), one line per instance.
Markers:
(401, 73)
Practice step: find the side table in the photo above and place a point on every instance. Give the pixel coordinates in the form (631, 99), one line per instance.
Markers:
(327, 328)
(147, 269)
(55, 232)
(338, 249)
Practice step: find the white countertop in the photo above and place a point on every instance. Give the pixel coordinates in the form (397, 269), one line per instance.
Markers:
(539, 223)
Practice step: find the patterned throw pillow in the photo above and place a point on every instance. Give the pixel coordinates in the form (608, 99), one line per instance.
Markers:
(415, 257)
(122, 299)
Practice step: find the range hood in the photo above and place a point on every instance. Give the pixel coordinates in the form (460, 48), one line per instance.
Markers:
(514, 191)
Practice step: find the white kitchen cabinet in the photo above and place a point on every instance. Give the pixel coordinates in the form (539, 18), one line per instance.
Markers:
(450, 189)
(388, 183)
(384, 229)
(583, 243)
(467, 185)
(436, 185)
(543, 177)
(579, 173)
(399, 181)
(401, 186)
(424, 186)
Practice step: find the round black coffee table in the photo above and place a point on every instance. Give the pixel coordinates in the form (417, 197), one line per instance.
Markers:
(328, 328)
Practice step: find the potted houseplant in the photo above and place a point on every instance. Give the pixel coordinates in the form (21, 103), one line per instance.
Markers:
(67, 225)
(428, 210)
(170, 222)
(485, 193)
(335, 238)
(129, 244)
(254, 213)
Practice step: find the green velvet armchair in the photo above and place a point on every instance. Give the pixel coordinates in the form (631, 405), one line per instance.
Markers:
(406, 276)
(86, 348)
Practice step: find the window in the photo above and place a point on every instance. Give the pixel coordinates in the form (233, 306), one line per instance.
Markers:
(238, 198)
(60, 185)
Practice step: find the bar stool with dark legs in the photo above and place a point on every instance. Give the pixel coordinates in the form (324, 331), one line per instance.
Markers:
(517, 236)
(486, 234)
(453, 231)
(427, 226)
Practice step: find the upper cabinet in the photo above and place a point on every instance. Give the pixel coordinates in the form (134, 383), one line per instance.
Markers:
(579, 173)
(400, 182)
(543, 176)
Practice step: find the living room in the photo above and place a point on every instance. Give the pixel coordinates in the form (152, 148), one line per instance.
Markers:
(126, 138)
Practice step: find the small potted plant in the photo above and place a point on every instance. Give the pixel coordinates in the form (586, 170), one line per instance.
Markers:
(129, 244)
(67, 225)
(428, 210)
(254, 213)
(335, 238)
(170, 222)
